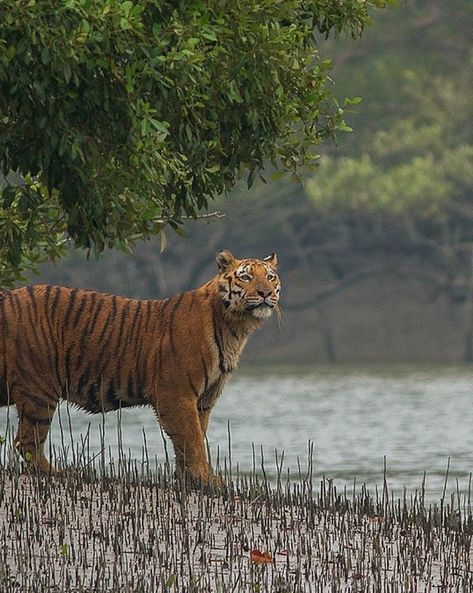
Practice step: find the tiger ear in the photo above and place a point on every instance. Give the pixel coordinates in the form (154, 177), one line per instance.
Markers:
(224, 259)
(272, 260)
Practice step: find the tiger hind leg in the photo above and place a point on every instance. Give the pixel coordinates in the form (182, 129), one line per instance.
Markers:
(33, 428)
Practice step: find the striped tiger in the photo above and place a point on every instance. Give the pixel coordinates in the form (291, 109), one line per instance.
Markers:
(104, 352)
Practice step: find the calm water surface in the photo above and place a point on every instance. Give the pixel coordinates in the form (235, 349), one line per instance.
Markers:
(415, 417)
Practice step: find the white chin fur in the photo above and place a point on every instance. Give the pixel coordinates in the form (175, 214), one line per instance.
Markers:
(262, 312)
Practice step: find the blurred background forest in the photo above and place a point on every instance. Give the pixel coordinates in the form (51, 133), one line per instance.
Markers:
(376, 248)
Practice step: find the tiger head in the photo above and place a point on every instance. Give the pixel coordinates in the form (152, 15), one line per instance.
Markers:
(248, 287)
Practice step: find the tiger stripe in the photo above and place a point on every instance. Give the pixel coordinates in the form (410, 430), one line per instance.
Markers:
(219, 343)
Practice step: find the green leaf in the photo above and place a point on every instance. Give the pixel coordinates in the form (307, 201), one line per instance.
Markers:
(163, 240)
(126, 7)
(8, 195)
(352, 101)
(45, 56)
(152, 212)
(181, 232)
(67, 71)
(171, 580)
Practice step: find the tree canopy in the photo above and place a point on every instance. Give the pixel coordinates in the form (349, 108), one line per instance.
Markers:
(118, 117)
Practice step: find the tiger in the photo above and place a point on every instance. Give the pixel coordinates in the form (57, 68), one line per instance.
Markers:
(104, 352)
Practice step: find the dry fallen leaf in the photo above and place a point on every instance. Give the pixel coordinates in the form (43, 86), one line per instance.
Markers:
(260, 557)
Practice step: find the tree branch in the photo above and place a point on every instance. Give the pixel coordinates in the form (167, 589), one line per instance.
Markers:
(208, 216)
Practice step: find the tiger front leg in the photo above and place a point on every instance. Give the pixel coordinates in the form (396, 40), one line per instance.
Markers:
(33, 428)
(204, 415)
(180, 420)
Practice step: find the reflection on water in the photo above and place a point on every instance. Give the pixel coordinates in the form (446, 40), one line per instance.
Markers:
(416, 418)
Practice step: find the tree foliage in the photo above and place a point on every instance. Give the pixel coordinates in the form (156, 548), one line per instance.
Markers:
(409, 194)
(419, 171)
(122, 116)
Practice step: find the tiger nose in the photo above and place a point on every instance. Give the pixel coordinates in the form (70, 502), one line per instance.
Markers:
(263, 293)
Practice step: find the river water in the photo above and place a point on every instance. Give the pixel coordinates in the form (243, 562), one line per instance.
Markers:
(412, 419)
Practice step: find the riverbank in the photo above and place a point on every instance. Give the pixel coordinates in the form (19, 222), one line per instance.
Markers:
(136, 530)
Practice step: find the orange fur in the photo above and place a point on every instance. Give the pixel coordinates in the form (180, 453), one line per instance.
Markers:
(104, 352)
